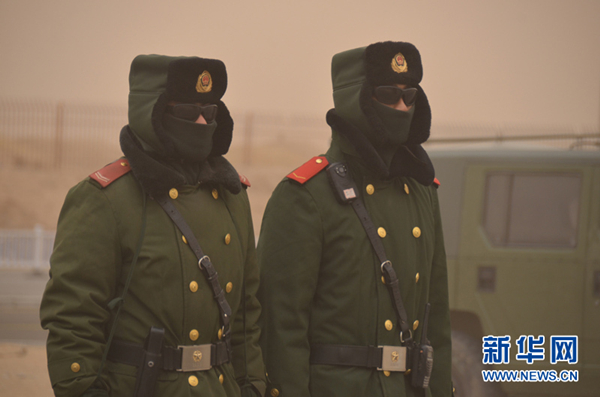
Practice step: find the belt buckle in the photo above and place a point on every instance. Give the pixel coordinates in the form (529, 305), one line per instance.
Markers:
(195, 358)
(393, 359)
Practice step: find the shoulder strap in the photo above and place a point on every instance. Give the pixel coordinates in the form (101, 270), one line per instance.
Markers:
(347, 193)
(309, 169)
(204, 263)
(110, 173)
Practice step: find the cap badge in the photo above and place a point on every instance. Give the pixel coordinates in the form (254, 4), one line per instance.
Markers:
(204, 82)
(399, 64)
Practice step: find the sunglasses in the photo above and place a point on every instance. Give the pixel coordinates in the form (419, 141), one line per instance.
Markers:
(191, 111)
(390, 95)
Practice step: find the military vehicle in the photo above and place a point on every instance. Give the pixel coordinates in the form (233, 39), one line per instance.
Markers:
(522, 234)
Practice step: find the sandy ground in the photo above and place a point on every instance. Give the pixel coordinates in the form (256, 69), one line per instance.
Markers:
(23, 371)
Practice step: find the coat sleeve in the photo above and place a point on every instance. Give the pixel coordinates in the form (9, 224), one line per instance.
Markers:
(439, 318)
(83, 270)
(289, 256)
(247, 357)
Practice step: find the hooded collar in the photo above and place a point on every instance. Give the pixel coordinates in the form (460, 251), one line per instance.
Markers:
(410, 160)
(157, 178)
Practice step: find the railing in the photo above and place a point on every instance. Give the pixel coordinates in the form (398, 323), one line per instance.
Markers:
(26, 249)
(560, 137)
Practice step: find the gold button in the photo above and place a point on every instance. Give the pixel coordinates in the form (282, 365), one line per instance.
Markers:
(220, 333)
(406, 189)
(193, 381)
(215, 194)
(386, 373)
(123, 163)
(319, 161)
(193, 286)
(370, 189)
(274, 392)
(227, 238)
(415, 325)
(388, 325)
(194, 334)
(173, 193)
(75, 367)
(417, 232)
(383, 279)
(382, 233)
(184, 239)
(229, 287)
(417, 278)
(407, 372)
(221, 378)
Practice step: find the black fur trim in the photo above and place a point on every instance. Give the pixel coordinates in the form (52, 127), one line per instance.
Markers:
(157, 178)
(409, 160)
(378, 64)
(413, 161)
(183, 76)
(420, 125)
(224, 132)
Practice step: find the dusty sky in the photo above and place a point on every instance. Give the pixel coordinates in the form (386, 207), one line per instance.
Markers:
(493, 62)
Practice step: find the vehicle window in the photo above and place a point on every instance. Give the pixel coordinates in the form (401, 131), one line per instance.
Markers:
(532, 209)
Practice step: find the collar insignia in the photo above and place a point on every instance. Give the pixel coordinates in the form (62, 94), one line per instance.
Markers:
(204, 83)
(399, 64)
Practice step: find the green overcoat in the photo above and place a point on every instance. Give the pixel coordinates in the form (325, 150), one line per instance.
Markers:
(321, 282)
(98, 230)
(97, 236)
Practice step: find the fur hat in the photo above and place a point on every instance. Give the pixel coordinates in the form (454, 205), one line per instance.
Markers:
(155, 80)
(356, 73)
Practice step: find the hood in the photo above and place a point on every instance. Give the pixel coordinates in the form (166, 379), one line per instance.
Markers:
(154, 80)
(356, 73)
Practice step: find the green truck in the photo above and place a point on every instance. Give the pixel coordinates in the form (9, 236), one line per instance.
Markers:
(522, 233)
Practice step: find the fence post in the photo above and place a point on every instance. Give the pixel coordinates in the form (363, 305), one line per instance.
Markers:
(60, 122)
(248, 127)
(38, 247)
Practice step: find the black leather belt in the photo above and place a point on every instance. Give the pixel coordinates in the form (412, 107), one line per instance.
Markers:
(181, 358)
(382, 358)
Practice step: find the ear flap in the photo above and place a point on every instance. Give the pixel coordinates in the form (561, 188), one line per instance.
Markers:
(413, 161)
(420, 126)
(224, 132)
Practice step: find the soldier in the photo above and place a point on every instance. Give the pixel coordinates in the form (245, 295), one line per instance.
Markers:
(153, 275)
(351, 251)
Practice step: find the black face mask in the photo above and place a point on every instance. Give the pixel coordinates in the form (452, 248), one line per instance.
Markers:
(396, 122)
(192, 141)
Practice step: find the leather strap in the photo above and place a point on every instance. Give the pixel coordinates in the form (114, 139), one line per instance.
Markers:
(342, 182)
(204, 262)
(133, 354)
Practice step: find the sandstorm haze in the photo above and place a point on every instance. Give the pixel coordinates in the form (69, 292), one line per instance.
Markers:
(519, 61)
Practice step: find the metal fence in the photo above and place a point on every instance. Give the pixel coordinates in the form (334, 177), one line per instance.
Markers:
(26, 249)
(49, 134)
(61, 135)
